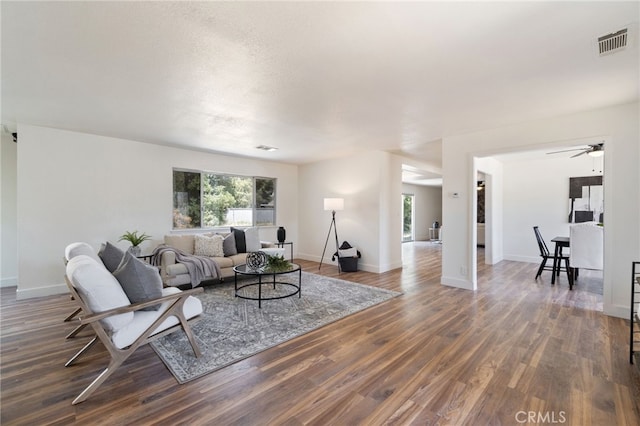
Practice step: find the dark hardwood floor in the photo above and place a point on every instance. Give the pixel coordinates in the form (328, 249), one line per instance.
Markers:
(517, 351)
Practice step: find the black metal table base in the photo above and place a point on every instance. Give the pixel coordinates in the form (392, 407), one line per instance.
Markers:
(260, 298)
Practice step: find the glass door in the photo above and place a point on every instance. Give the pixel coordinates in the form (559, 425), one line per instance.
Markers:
(408, 231)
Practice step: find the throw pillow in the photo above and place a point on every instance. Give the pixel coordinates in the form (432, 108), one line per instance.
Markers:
(350, 252)
(100, 290)
(76, 249)
(139, 280)
(252, 239)
(241, 245)
(209, 246)
(111, 256)
(229, 245)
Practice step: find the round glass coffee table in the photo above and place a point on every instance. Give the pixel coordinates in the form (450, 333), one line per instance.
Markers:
(285, 289)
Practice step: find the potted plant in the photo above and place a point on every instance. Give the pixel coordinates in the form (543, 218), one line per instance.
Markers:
(135, 239)
(277, 263)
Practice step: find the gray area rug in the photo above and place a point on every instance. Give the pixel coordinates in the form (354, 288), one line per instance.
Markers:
(232, 329)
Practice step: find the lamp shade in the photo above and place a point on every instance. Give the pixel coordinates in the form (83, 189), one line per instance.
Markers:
(334, 204)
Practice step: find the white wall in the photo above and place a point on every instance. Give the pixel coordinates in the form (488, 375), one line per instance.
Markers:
(618, 126)
(81, 187)
(8, 212)
(370, 184)
(390, 225)
(427, 207)
(542, 201)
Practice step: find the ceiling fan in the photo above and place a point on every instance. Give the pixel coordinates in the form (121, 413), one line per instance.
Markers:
(593, 150)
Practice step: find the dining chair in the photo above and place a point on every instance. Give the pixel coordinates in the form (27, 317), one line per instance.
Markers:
(546, 255)
(587, 246)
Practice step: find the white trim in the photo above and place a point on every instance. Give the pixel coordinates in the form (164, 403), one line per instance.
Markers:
(9, 282)
(616, 311)
(368, 268)
(361, 266)
(527, 259)
(495, 260)
(22, 294)
(384, 268)
(456, 282)
(314, 258)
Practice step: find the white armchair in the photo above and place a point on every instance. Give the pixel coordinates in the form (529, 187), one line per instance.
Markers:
(120, 325)
(587, 246)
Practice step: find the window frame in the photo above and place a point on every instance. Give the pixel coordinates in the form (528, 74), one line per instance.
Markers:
(254, 203)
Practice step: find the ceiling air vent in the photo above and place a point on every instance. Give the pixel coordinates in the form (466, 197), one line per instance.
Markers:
(612, 42)
(266, 148)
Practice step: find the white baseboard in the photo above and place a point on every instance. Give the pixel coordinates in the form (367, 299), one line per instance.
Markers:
(314, 258)
(516, 258)
(30, 293)
(390, 267)
(456, 282)
(361, 266)
(616, 311)
(493, 261)
(9, 282)
(378, 269)
(368, 268)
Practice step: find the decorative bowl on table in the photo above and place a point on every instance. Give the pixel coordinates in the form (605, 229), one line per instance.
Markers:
(257, 260)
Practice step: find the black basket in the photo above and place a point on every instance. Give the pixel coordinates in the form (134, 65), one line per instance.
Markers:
(348, 264)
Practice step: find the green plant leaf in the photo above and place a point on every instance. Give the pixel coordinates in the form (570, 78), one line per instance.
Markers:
(277, 263)
(134, 238)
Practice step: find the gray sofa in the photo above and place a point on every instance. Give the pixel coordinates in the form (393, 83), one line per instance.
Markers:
(176, 274)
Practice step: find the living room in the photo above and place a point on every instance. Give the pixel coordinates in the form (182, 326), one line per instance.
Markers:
(76, 175)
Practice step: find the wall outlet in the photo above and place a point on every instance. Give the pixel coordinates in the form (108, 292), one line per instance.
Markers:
(463, 271)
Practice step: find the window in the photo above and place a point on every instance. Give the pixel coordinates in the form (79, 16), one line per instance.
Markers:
(408, 214)
(226, 200)
(186, 199)
(205, 200)
(265, 201)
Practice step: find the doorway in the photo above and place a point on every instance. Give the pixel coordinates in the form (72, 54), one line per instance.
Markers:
(480, 209)
(517, 197)
(408, 217)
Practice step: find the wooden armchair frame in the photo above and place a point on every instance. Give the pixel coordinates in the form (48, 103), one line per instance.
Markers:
(69, 318)
(73, 314)
(118, 356)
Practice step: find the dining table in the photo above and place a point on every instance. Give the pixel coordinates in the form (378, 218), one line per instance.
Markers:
(560, 243)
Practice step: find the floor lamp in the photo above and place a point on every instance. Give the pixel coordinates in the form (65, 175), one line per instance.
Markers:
(332, 204)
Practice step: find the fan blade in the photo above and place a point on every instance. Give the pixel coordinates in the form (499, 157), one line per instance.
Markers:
(577, 155)
(567, 150)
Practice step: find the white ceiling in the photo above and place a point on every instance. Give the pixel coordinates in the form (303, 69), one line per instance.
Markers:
(418, 176)
(315, 80)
